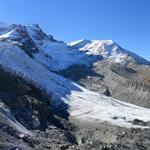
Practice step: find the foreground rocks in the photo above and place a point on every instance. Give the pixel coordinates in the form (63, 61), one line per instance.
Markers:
(84, 136)
(106, 137)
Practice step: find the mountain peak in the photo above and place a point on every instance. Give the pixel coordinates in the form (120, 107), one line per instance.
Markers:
(109, 50)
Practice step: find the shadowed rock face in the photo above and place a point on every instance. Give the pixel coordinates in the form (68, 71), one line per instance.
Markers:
(29, 104)
(123, 70)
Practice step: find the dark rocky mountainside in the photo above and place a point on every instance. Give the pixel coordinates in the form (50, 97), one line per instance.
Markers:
(30, 106)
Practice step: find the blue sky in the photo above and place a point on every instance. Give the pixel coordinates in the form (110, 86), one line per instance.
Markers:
(127, 22)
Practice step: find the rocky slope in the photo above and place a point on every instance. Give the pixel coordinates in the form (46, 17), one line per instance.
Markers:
(40, 109)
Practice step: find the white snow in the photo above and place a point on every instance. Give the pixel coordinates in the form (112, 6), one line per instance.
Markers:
(82, 104)
(8, 34)
(90, 106)
(108, 49)
(79, 42)
(58, 56)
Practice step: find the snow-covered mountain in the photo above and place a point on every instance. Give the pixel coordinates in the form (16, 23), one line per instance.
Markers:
(43, 47)
(109, 50)
(47, 50)
(38, 59)
(81, 103)
(45, 54)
